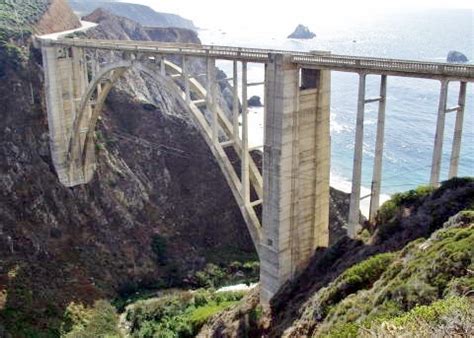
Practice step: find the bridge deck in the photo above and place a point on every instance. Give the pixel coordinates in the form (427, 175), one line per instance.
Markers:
(320, 60)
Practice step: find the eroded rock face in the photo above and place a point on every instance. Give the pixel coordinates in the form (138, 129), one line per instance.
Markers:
(456, 57)
(57, 18)
(301, 32)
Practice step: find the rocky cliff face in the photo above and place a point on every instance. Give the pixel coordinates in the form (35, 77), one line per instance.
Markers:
(155, 179)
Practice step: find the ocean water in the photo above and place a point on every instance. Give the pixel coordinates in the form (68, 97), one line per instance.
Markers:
(411, 109)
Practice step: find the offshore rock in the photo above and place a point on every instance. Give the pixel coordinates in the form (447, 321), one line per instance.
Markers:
(254, 101)
(455, 57)
(301, 32)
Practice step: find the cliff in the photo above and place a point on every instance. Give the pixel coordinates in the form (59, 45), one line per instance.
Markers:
(141, 14)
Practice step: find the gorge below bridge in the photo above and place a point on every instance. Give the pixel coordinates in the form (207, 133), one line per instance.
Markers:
(292, 191)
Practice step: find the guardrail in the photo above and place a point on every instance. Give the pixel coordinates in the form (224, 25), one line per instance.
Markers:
(321, 59)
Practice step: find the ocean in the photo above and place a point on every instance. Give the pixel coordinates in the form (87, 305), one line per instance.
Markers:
(411, 109)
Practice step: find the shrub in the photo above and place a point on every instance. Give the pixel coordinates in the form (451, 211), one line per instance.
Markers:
(211, 277)
(447, 317)
(357, 277)
(389, 209)
(178, 315)
(99, 321)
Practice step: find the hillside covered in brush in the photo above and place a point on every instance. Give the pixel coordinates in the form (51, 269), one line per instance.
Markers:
(412, 275)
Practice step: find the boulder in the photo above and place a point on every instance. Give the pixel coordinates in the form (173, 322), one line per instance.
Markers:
(254, 101)
(455, 56)
(301, 32)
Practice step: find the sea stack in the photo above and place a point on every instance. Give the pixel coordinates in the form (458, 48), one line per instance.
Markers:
(254, 101)
(301, 32)
(455, 57)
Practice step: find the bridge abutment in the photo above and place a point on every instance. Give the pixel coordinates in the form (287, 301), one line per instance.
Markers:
(296, 171)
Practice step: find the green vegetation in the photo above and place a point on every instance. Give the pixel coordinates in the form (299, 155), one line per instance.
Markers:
(445, 317)
(17, 17)
(358, 277)
(99, 321)
(387, 214)
(409, 198)
(178, 315)
(421, 279)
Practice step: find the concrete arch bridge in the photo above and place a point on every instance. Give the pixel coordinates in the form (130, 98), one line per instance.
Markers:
(293, 190)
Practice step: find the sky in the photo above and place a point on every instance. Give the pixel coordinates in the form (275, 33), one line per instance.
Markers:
(276, 13)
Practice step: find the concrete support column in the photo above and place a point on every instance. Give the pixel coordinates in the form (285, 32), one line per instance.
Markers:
(211, 96)
(162, 66)
(235, 103)
(357, 166)
(186, 80)
(296, 171)
(245, 140)
(97, 70)
(438, 143)
(377, 173)
(456, 150)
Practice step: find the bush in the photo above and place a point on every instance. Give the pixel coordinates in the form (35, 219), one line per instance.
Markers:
(99, 321)
(447, 317)
(212, 276)
(178, 315)
(357, 277)
(413, 197)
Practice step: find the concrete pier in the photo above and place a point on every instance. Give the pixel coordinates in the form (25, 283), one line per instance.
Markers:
(354, 225)
(235, 102)
(377, 173)
(244, 159)
(456, 150)
(439, 136)
(295, 212)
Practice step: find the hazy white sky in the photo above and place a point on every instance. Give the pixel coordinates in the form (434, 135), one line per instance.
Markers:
(245, 13)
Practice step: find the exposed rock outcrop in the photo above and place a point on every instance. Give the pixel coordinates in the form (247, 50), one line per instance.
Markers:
(301, 32)
(456, 57)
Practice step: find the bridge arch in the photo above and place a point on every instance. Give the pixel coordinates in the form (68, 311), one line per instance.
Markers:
(81, 149)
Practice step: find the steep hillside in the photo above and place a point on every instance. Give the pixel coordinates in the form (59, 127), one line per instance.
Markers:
(157, 210)
(407, 278)
(144, 15)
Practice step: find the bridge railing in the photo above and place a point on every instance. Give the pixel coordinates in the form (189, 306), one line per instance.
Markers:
(321, 59)
(381, 64)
